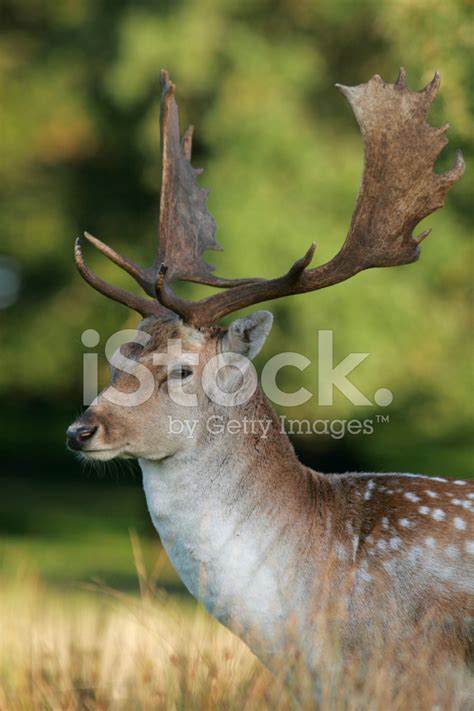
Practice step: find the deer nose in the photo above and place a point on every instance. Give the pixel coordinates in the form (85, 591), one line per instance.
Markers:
(78, 435)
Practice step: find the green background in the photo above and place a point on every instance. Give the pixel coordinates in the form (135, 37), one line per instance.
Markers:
(280, 146)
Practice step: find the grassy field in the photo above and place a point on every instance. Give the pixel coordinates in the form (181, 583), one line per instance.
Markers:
(98, 649)
(90, 647)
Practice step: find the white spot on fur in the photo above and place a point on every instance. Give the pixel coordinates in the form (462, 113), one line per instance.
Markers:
(432, 494)
(415, 553)
(363, 573)
(404, 523)
(381, 544)
(452, 551)
(459, 523)
(438, 514)
(470, 496)
(395, 543)
(385, 523)
(430, 542)
(390, 566)
(411, 497)
(355, 545)
(424, 510)
(463, 504)
(469, 546)
(445, 573)
(459, 482)
(368, 491)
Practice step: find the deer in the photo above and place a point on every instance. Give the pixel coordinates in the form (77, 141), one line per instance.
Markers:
(271, 547)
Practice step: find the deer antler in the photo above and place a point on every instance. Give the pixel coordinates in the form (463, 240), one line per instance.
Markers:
(399, 188)
(186, 228)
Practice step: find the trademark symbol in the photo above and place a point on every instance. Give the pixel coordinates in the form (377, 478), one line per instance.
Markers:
(382, 419)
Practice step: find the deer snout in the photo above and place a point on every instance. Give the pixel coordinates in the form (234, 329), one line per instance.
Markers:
(79, 434)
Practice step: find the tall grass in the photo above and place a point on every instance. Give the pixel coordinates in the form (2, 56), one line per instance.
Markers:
(94, 651)
(99, 649)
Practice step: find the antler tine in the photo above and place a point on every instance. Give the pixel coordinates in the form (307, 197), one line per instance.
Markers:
(140, 275)
(451, 176)
(210, 310)
(401, 82)
(145, 307)
(431, 89)
(300, 265)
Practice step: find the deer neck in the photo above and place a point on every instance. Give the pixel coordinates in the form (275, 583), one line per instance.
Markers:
(232, 515)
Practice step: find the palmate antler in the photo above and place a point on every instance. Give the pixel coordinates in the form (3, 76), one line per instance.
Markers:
(399, 188)
(186, 228)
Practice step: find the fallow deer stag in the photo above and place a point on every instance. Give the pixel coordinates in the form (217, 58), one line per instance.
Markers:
(271, 547)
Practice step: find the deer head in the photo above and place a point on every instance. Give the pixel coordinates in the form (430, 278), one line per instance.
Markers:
(399, 189)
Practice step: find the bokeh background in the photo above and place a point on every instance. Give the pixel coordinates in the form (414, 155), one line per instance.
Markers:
(282, 152)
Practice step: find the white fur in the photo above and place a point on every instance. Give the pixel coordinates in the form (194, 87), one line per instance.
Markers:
(222, 555)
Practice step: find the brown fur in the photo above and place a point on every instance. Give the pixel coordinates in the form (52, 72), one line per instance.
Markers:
(385, 554)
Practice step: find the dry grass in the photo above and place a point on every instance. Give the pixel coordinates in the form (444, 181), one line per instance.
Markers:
(97, 649)
(94, 651)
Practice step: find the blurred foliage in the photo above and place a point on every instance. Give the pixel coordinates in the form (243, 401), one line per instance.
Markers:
(80, 91)
(58, 530)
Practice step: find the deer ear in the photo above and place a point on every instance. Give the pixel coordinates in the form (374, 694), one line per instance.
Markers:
(248, 334)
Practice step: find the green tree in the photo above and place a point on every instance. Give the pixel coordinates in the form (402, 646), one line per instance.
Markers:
(80, 151)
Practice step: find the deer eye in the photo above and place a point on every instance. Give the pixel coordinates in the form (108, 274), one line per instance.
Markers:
(181, 373)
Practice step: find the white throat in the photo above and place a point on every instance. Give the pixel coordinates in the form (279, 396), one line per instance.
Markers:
(210, 523)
